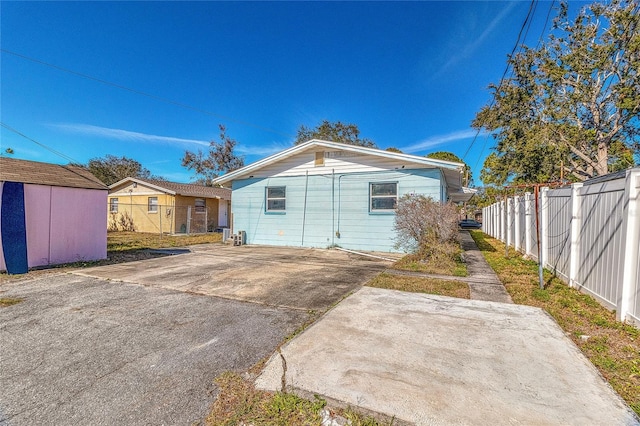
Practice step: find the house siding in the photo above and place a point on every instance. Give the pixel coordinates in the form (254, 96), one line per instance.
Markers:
(336, 210)
(338, 161)
(171, 216)
(135, 204)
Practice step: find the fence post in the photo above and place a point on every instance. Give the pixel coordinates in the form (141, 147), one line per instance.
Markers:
(544, 226)
(509, 202)
(527, 223)
(516, 215)
(574, 233)
(503, 221)
(188, 220)
(492, 226)
(630, 276)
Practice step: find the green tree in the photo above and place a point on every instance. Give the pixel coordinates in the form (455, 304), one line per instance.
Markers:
(394, 149)
(467, 178)
(219, 159)
(334, 132)
(110, 169)
(573, 102)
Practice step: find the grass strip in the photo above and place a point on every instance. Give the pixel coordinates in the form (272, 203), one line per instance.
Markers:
(421, 285)
(9, 301)
(125, 241)
(612, 346)
(442, 266)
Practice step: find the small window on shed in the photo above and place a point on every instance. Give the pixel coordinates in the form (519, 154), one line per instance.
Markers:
(319, 159)
(153, 205)
(276, 198)
(201, 205)
(113, 205)
(384, 196)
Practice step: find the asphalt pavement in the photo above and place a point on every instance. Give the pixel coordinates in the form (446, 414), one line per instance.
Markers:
(86, 351)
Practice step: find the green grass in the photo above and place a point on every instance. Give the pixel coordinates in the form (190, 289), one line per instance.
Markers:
(452, 265)
(240, 403)
(9, 301)
(125, 241)
(612, 346)
(421, 285)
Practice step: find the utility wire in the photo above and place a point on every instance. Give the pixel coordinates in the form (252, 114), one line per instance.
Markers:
(58, 153)
(149, 95)
(546, 22)
(504, 74)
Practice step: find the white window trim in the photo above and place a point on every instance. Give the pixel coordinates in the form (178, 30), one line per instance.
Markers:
(267, 199)
(113, 202)
(204, 206)
(149, 205)
(371, 197)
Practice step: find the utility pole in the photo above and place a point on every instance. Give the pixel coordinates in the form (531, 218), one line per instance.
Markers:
(536, 191)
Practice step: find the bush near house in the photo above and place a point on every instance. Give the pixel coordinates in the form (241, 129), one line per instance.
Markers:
(428, 229)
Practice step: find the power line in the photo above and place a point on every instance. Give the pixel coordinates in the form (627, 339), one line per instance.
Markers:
(522, 28)
(546, 21)
(149, 95)
(58, 153)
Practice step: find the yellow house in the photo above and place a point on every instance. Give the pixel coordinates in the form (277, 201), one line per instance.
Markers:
(148, 205)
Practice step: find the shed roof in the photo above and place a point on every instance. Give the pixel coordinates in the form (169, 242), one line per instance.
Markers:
(33, 172)
(175, 188)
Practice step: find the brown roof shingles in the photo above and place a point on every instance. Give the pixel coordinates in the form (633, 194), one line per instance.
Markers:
(14, 170)
(191, 190)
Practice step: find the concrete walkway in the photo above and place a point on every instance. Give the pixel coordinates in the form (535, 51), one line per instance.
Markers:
(433, 360)
(482, 280)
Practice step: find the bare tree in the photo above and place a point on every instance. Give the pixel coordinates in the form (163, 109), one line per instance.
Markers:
(220, 159)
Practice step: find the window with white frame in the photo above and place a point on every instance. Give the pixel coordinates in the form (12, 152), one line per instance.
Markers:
(201, 205)
(113, 205)
(276, 198)
(384, 196)
(153, 205)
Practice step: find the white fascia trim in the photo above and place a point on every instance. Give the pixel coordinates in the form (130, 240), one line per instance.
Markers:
(141, 182)
(339, 146)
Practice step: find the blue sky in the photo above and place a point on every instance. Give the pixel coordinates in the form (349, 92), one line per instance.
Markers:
(410, 74)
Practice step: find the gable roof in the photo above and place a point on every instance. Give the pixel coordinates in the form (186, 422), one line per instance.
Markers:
(236, 174)
(451, 171)
(175, 188)
(33, 172)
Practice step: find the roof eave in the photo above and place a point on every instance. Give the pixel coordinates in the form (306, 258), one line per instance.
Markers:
(335, 145)
(462, 196)
(142, 182)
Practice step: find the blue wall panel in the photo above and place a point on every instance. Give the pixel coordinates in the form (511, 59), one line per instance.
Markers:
(336, 211)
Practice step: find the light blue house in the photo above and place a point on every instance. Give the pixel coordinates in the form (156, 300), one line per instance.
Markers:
(321, 194)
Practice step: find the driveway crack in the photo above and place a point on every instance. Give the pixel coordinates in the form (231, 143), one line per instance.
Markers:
(283, 379)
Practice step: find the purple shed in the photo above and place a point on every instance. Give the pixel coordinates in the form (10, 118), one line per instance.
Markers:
(62, 209)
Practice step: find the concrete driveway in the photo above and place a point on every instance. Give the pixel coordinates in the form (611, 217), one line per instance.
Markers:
(433, 360)
(299, 278)
(141, 343)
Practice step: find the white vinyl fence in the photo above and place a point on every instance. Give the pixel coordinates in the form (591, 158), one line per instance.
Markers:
(589, 236)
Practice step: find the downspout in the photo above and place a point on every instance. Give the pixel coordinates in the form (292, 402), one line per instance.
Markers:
(333, 205)
(304, 209)
(339, 192)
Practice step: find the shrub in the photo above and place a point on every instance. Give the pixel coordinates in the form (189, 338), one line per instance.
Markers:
(113, 223)
(427, 227)
(126, 222)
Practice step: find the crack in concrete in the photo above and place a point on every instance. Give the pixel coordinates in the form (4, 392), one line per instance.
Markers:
(283, 379)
